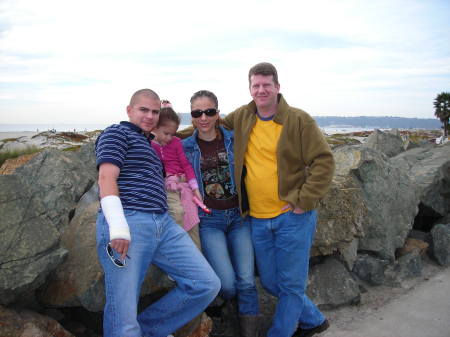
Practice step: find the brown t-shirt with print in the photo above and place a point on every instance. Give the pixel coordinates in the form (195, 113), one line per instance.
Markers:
(216, 175)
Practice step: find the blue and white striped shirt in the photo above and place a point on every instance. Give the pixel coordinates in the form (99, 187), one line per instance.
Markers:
(140, 182)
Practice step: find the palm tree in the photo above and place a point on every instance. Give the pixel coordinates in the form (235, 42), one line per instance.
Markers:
(442, 110)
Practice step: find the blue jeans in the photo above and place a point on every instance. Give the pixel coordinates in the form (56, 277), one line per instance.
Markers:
(282, 246)
(157, 239)
(227, 245)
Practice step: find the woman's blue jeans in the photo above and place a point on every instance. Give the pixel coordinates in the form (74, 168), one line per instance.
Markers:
(227, 245)
(282, 246)
(157, 239)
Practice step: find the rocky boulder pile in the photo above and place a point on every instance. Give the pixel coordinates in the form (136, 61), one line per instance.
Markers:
(388, 207)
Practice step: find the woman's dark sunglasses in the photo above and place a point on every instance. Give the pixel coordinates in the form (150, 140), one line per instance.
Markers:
(116, 261)
(208, 112)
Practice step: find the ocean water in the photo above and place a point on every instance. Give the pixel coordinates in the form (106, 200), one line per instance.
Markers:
(92, 127)
(329, 130)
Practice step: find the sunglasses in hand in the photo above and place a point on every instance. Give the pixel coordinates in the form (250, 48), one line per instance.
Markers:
(118, 262)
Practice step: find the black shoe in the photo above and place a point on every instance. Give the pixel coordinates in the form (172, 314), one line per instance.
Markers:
(310, 332)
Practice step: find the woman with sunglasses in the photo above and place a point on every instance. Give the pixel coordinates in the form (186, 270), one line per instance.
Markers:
(225, 236)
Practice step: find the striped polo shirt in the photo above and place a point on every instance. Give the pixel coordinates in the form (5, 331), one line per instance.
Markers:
(140, 182)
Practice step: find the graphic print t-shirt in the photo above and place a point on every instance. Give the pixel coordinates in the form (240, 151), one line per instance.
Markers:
(216, 175)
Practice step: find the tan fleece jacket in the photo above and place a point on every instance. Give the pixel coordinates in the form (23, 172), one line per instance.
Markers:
(305, 160)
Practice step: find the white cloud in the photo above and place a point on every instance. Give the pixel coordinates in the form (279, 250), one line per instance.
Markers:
(79, 61)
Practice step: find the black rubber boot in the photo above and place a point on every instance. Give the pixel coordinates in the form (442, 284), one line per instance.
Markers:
(225, 322)
(249, 325)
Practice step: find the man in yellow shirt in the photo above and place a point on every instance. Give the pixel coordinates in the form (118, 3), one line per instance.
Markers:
(284, 166)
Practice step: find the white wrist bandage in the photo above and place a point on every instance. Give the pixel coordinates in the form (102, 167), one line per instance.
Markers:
(113, 211)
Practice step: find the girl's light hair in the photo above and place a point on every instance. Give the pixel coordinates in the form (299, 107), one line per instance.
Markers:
(166, 115)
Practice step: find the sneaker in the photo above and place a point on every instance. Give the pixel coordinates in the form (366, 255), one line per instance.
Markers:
(310, 332)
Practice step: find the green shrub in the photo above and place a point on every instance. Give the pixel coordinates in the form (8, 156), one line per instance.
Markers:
(17, 153)
(9, 140)
(72, 148)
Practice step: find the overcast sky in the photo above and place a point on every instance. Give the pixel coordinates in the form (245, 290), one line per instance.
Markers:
(80, 61)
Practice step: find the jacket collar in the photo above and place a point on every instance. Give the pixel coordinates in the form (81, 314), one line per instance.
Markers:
(150, 136)
(193, 139)
(225, 132)
(131, 126)
(282, 109)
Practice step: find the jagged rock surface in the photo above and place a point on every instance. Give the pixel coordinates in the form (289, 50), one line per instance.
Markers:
(27, 323)
(36, 203)
(336, 228)
(441, 243)
(331, 285)
(428, 168)
(363, 221)
(386, 192)
(388, 143)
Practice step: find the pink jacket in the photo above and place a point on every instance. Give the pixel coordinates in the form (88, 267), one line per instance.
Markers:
(177, 169)
(175, 162)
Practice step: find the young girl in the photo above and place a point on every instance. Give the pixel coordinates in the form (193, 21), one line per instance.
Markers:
(181, 184)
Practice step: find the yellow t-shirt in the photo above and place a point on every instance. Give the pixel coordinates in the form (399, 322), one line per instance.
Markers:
(261, 180)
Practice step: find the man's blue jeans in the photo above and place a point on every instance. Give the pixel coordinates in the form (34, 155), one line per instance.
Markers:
(282, 246)
(227, 245)
(157, 239)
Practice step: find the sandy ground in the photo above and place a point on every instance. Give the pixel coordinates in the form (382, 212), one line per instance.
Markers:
(420, 308)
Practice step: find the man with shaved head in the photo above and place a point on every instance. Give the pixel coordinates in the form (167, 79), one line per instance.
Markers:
(135, 230)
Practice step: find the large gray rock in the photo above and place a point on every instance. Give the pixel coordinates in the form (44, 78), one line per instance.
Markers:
(428, 168)
(331, 285)
(391, 202)
(79, 280)
(441, 243)
(36, 203)
(389, 143)
(407, 266)
(370, 269)
(342, 216)
(59, 179)
(29, 240)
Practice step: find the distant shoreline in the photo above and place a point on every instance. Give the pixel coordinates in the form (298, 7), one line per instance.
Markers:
(50, 126)
(18, 132)
(327, 130)
(37, 128)
(332, 123)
